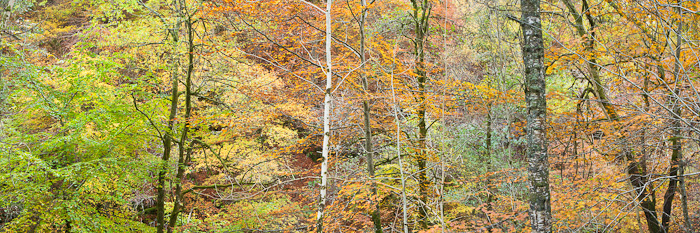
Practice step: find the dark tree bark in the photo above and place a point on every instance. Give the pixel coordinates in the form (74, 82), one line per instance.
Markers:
(538, 164)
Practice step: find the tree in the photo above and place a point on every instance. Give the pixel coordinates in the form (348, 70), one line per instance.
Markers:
(421, 18)
(69, 135)
(170, 131)
(655, 60)
(183, 15)
(676, 135)
(326, 120)
(376, 217)
(535, 90)
(185, 143)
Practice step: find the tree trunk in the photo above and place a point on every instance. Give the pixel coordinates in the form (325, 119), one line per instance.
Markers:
(639, 180)
(167, 137)
(684, 198)
(421, 15)
(374, 197)
(404, 203)
(489, 131)
(638, 175)
(185, 129)
(591, 64)
(673, 172)
(676, 154)
(538, 164)
(7, 12)
(326, 122)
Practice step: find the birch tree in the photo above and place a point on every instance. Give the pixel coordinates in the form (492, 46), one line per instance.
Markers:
(538, 164)
(326, 121)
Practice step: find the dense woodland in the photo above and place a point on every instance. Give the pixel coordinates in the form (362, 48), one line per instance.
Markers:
(349, 116)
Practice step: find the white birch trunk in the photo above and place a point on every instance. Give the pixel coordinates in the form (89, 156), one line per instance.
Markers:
(326, 122)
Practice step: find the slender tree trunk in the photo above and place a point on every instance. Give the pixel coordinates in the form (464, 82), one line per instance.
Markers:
(639, 177)
(645, 196)
(637, 170)
(374, 197)
(487, 157)
(684, 198)
(441, 187)
(423, 184)
(491, 191)
(326, 122)
(589, 47)
(421, 17)
(638, 173)
(676, 157)
(167, 137)
(185, 129)
(538, 164)
(676, 154)
(404, 203)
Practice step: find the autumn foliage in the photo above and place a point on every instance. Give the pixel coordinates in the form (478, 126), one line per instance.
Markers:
(89, 88)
